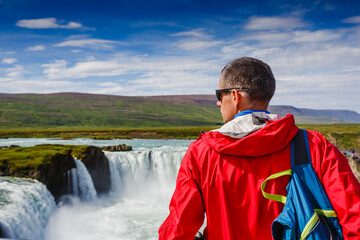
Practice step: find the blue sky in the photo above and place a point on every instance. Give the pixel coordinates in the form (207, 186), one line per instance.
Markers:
(140, 47)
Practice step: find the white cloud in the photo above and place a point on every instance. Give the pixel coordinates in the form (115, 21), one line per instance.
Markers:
(234, 50)
(16, 72)
(71, 25)
(54, 68)
(193, 33)
(59, 70)
(320, 90)
(45, 23)
(38, 23)
(195, 40)
(268, 37)
(36, 48)
(9, 60)
(90, 58)
(42, 86)
(86, 42)
(112, 88)
(355, 20)
(273, 23)
(109, 84)
(197, 44)
(12, 73)
(165, 75)
(140, 75)
(313, 58)
(162, 83)
(316, 36)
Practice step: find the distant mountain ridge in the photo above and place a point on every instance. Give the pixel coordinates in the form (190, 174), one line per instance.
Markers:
(308, 116)
(95, 110)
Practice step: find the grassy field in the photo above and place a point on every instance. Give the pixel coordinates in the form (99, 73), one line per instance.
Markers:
(344, 136)
(29, 159)
(108, 133)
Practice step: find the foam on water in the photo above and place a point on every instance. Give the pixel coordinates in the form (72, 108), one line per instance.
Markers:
(25, 208)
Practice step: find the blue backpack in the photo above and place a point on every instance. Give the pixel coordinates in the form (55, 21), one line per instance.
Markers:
(308, 213)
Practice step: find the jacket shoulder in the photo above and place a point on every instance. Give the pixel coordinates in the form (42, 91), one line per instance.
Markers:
(199, 145)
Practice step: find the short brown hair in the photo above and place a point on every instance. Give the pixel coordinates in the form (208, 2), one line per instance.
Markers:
(250, 73)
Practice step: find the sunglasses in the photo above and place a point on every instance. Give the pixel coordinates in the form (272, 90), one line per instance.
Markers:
(225, 90)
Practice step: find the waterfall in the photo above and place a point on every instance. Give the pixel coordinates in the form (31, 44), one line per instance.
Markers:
(80, 182)
(25, 208)
(165, 165)
(141, 168)
(142, 182)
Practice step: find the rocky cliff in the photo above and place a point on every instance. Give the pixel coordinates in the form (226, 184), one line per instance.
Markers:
(54, 174)
(50, 165)
(98, 167)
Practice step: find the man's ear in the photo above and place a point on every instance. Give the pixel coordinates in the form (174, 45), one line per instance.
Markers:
(236, 96)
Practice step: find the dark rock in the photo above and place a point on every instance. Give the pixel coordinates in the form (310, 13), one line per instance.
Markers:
(54, 175)
(98, 166)
(11, 146)
(117, 148)
(2, 234)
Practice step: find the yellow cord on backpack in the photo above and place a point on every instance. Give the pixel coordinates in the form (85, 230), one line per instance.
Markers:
(275, 197)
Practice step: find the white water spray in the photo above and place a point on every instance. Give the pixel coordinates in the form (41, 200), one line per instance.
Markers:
(25, 208)
(139, 170)
(81, 183)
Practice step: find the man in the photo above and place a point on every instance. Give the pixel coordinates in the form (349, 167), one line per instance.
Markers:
(222, 172)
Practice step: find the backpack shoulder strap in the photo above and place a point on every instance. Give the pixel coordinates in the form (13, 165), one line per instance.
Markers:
(300, 152)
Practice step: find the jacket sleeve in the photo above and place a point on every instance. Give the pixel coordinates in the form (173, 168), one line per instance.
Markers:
(340, 184)
(186, 205)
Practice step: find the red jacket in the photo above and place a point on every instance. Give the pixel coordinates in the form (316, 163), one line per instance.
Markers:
(221, 176)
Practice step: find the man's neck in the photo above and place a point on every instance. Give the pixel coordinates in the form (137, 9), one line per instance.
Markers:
(254, 106)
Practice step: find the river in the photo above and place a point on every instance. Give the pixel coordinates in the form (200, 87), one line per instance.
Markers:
(142, 184)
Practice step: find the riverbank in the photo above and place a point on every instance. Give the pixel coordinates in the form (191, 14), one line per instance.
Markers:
(107, 133)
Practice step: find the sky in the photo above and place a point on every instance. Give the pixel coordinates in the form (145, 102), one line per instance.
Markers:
(164, 47)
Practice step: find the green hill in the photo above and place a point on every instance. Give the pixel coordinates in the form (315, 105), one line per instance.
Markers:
(108, 111)
(92, 110)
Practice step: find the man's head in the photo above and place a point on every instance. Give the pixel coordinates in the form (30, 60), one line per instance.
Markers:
(252, 75)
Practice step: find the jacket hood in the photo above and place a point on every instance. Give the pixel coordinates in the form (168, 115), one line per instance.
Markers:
(259, 139)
